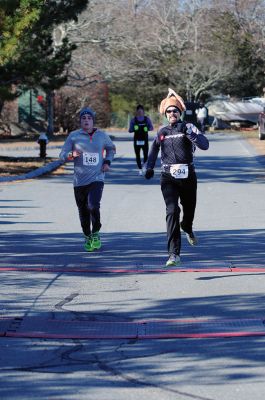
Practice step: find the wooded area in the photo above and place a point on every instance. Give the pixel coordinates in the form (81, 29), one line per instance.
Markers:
(197, 47)
(139, 47)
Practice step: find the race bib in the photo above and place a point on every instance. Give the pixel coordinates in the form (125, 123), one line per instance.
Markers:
(140, 142)
(179, 171)
(90, 159)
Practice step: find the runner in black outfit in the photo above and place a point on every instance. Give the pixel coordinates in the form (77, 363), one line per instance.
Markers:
(140, 125)
(177, 141)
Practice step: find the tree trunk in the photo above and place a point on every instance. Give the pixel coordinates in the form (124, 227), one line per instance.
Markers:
(1, 106)
(50, 112)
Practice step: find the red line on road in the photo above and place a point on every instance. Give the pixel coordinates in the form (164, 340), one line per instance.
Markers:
(196, 328)
(130, 270)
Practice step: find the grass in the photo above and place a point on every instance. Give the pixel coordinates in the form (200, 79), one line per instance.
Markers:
(10, 166)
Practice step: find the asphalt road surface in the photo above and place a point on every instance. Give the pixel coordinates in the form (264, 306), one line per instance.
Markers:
(52, 290)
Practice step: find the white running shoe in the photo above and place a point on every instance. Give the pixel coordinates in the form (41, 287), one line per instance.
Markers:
(192, 239)
(140, 172)
(173, 260)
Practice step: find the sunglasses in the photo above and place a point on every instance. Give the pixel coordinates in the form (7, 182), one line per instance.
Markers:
(174, 110)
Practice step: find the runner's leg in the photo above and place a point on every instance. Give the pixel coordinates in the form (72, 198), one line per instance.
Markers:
(188, 197)
(93, 201)
(170, 193)
(81, 193)
(137, 150)
(145, 150)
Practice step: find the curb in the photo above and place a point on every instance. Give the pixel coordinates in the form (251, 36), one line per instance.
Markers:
(27, 148)
(39, 171)
(35, 173)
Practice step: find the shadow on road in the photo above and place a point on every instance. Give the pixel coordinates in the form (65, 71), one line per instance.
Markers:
(238, 248)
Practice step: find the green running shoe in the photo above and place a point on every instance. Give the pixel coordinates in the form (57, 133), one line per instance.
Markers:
(89, 243)
(96, 242)
(173, 261)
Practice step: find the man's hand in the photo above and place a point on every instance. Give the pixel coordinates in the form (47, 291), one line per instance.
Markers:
(191, 131)
(189, 128)
(73, 154)
(149, 173)
(105, 167)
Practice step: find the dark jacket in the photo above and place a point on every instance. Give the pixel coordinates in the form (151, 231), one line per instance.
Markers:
(177, 143)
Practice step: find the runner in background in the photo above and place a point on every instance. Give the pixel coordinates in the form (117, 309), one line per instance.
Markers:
(177, 141)
(92, 151)
(140, 125)
(202, 116)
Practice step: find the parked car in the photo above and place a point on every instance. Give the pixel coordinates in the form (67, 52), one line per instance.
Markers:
(243, 112)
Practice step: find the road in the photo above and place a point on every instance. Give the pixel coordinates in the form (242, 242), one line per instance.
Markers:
(48, 280)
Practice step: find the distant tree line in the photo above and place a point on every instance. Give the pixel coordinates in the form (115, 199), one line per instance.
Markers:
(139, 47)
(198, 47)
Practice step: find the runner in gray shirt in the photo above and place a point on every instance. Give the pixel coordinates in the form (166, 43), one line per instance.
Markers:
(92, 152)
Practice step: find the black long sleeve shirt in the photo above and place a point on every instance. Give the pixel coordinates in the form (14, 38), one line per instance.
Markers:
(177, 145)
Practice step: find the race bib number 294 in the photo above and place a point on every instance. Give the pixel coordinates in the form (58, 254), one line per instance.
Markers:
(179, 171)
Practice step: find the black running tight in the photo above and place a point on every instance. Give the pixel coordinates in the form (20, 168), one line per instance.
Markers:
(175, 191)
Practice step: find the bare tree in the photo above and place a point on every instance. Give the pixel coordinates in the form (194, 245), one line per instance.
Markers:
(143, 46)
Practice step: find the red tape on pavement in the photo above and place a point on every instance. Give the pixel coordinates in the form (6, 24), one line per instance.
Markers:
(129, 270)
(35, 327)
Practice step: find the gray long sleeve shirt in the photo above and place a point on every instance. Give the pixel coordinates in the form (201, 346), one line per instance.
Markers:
(96, 149)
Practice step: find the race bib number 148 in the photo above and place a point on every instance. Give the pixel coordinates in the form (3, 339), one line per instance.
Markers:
(90, 158)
